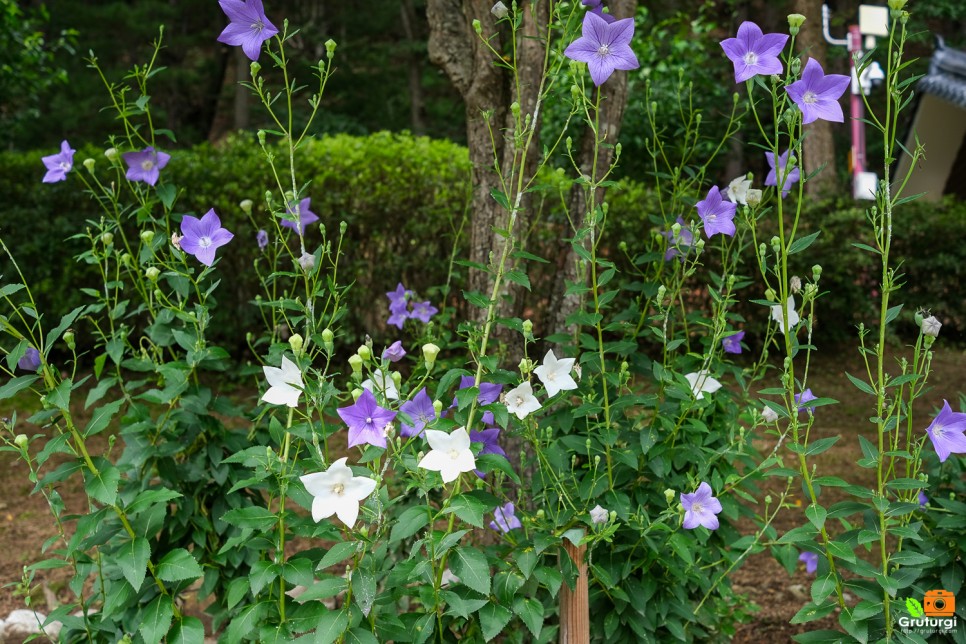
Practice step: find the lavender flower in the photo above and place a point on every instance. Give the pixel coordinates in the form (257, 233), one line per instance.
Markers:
(394, 352)
(597, 7)
(817, 94)
(262, 239)
(366, 421)
(145, 165)
(779, 169)
(805, 397)
(423, 311)
(401, 293)
(203, 237)
(754, 52)
(732, 344)
(680, 243)
(489, 391)
(923, 499)
(303, 216)
(700, 508)
(249, 26)
(420, 409)
(604, 46)
(490, 438)
(30, 360)
(505, 519)
(398, 313)
(58, 165)
(718, 215)
(810, 559)
(946, 432)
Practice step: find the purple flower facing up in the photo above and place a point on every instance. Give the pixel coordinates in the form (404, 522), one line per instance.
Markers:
(401, 293)
(30, 360)
(423, 311)
(700, 508)
(490, 437)
(810, 559)
(732, 344)
(262, 239)
(604, 46)
(420, 409)
(946, 432)
(58, 165)
(145, 165)
(717, 214)
(202, 237)
(398, 313)
(680, 244)
(754, 52)
(805, 397)
(249, 26)
(366, 421)
(505, 518)
(817, 94)
(304, 216)
(779, 169)
(394, 352)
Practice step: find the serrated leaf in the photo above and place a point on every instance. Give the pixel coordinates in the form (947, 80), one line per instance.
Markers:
(493, 618)
(132, 558)
(531, 612)
(156, 619)
(178, 565)
(914, 607)
(470, 565)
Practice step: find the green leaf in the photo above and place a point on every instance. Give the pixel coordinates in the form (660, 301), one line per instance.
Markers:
(470, 565)
(802, 243)
(16, 385)
(132, 558)
(253, 517)
(245, 622)
(914, 607)
(262, 574)
(822, 588)
(811, 612)
(156, 619)
(331, 626)
(363, 589)
(816, 514)
(531, 612)
(178, 565)
(862, 385)
(337, 553)
(817, 447)
(187, 630)
(60, 396)
(493, 618)
(102, 417)
(323, 589)
(409, 523)
(103, 487)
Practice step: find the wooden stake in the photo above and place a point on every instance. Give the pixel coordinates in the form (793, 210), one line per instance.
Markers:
(575, 604)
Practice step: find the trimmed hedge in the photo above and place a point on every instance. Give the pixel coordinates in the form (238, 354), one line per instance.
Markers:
(403, 198)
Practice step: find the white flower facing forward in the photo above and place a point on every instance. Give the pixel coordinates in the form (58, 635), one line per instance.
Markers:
(382, 383)
(336, 491)
(450, 454)
(776, 315)
(521, 401)
(599, 514)
(555, 374)
(701, 383)
(738, 190)
(285, 384)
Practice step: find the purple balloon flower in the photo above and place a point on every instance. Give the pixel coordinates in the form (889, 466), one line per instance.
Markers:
(490, 438)
(817, 94)
(145, 165)
(717, 214)
(680, 244)
(754, 52)
(249, 26)
(489, 391)
(923, 499)
(304, 216)
(401, 293)
(394, 352)
(604, 46)
(732, 344)
(262, 239)
(805, 397)
(946, 432)
(58, 165)
(423, 311)
(776, 169)
(505, 518)
(810, 559)
(398, 313)
(30, 360)
(420, 409)
(700, 508)
(366, 420)
(202, 237)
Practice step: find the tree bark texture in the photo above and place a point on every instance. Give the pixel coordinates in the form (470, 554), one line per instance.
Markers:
(818, 148)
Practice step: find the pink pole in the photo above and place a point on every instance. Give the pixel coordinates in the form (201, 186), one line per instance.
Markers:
(857, 109)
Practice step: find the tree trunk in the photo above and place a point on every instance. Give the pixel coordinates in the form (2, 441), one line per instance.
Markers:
(413, 68)
(818, 147)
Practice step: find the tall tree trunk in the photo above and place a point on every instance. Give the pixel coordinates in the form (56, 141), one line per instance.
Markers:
(613, 104)
(818, 147)
(413, 68)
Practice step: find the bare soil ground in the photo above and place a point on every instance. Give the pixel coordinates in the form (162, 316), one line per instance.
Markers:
(25, 522)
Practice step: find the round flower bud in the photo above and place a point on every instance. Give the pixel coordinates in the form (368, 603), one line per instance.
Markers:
(330, 46)
(430, 351)
(500, 10)
(21, 441)
(776, 244)
(930, 326)
(69, 339)
(254, 68)
(527, 327)
(769, 414)
(599, 515)
(158, 294)
(795, 21)
(438, 406)
(152, 273)
(356, 393)
(699, 246)
(622, 246)
(770, 295)
(89, 164)
(364, 352)
(327, 335)
(661, 292)
(669, 495)
(477, 26)
(246, 206)
(147, 236)
(397, 379)
(356, 363)
(110, 153)
(768, 499)
(296, 342)
(261, 138)
(816, 272)
(525, 366)
(753, 197)
(107, 239)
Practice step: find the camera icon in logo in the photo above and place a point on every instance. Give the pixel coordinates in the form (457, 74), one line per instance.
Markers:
(939, 603)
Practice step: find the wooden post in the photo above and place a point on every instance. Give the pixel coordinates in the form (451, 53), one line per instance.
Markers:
(575, 604)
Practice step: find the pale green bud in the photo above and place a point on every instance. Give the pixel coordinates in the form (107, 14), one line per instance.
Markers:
(776, 244)
(477, 26)
(261, 138)
(356, 393)
(770, 295)
(669, 495)
(438, 406)
(327, 335)
(254, 68)
(430, 351)
(21, 441)
(622, 246)
(107, 239)
(147, 236)
(152, 273)
(355, 361)
(89, 164)
(527, 327)
(330, 46)
(795, 22)
(110, 153)
(69, 339)
(364, 352)
(397, 379)
(296, 342)
(246, 206)
(816, 272)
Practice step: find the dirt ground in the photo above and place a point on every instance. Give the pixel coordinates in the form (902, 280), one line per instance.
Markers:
(25, 522)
